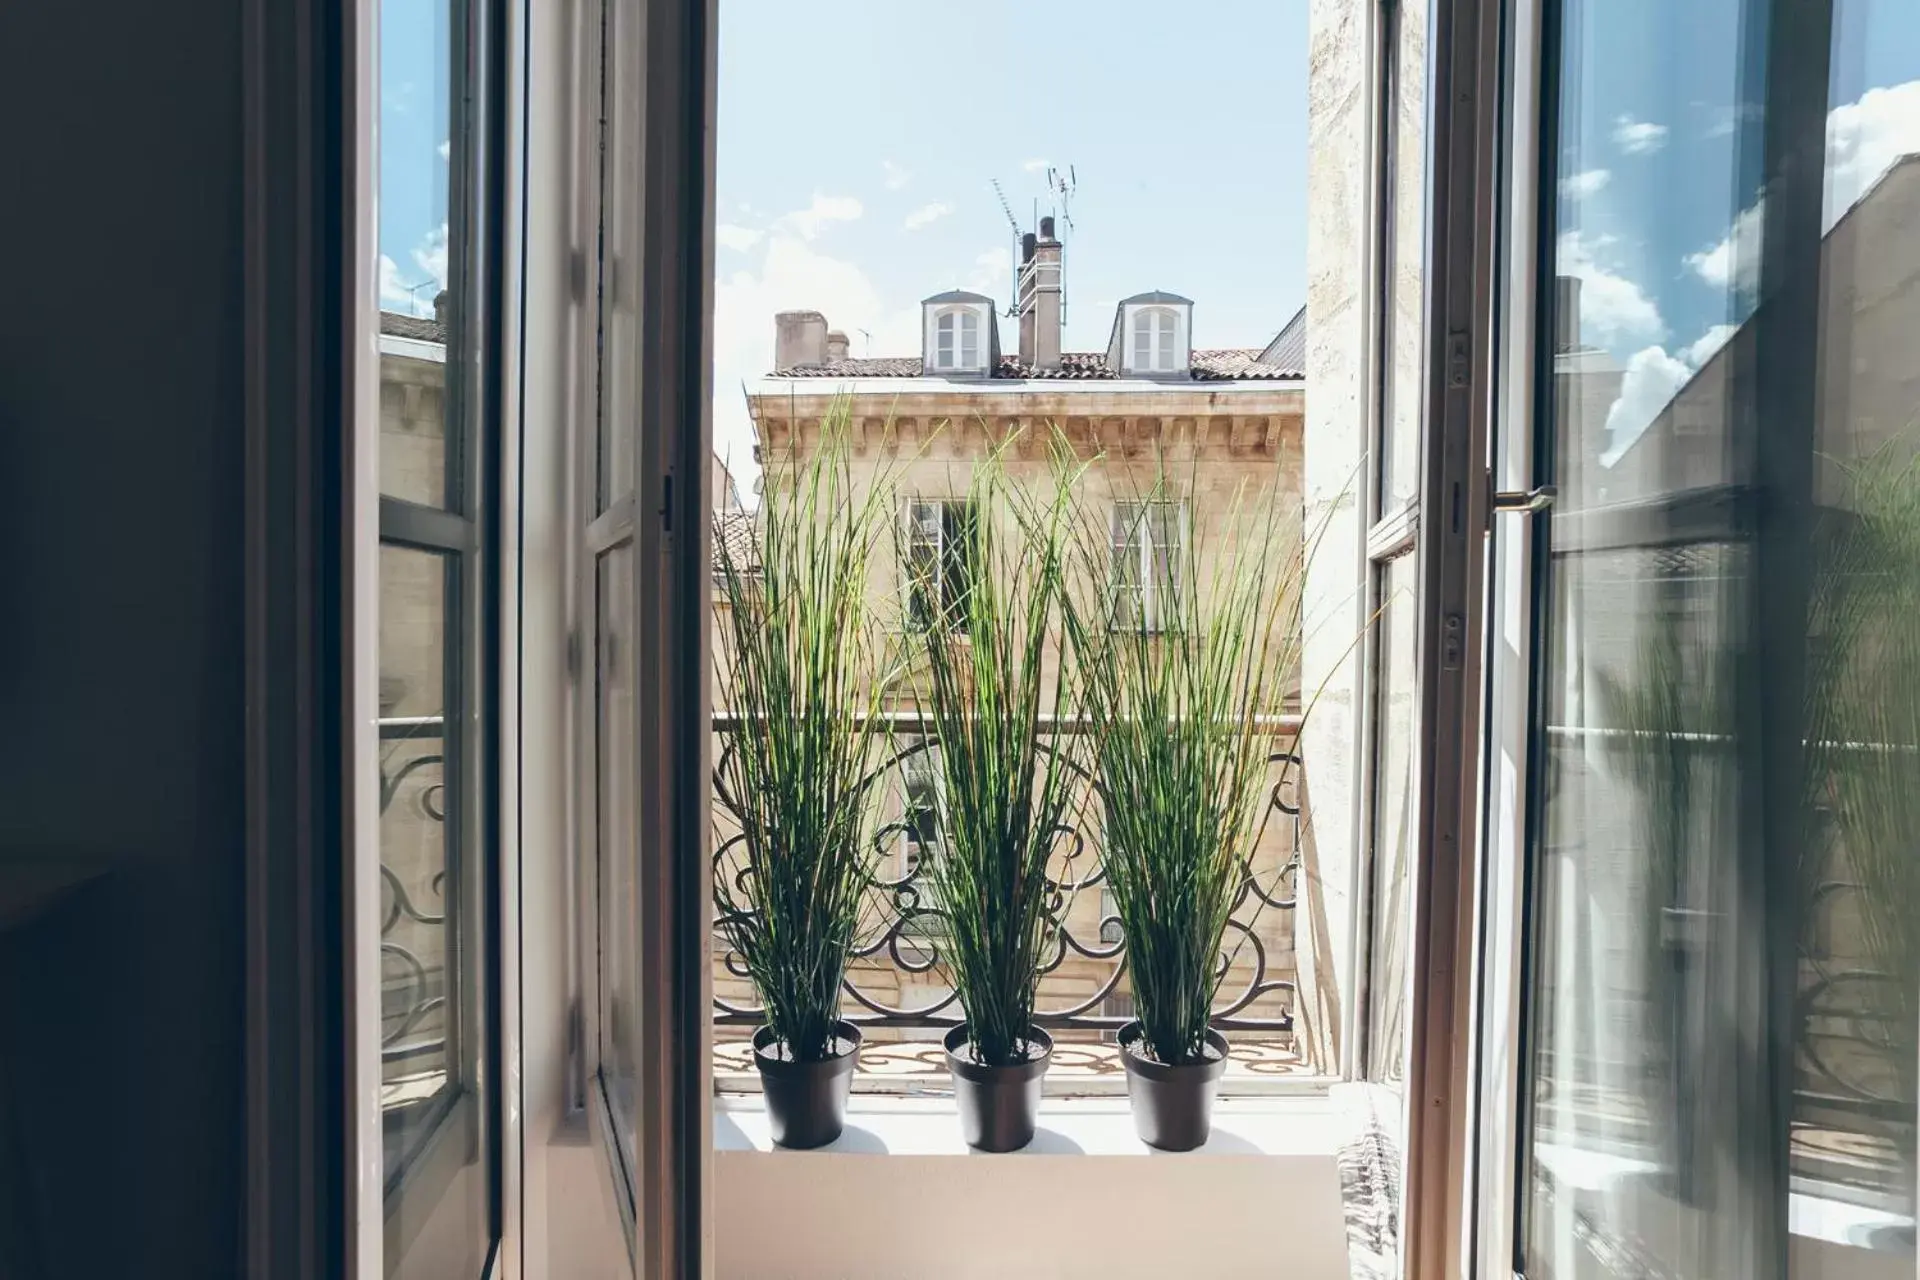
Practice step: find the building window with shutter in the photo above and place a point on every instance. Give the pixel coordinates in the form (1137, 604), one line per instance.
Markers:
(939, 540)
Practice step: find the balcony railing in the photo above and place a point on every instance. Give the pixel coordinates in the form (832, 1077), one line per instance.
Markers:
(413, 879)
(893, 982)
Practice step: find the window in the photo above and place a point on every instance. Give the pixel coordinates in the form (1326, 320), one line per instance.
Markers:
(1155, 349)
(957, 340)
(938, 561)
(1147, 540)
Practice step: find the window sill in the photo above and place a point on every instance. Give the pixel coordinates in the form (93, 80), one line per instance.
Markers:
(1299, 1128)
(1263, 1194)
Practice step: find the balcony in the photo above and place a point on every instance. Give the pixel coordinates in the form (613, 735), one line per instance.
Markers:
(895, 991)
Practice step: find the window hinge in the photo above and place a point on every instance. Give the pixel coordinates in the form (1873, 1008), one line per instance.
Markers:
(573, 655)
(577, 275)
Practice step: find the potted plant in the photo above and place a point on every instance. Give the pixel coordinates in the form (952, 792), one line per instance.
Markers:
(1182, 660)
(803, 675)
(986, 690)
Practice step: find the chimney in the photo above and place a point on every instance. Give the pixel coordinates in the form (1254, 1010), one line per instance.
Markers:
(1566, 313)
(799, 340)
(836, 346)
(1040, 299)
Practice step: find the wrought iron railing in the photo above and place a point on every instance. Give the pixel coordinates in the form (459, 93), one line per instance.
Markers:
(414, 990)
(903, 943)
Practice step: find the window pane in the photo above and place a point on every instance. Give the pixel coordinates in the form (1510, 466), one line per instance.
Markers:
(617, 822)
(417, 291)
(1406, 247)
(431, 1036)
(1725, 1033)
(1395, 716)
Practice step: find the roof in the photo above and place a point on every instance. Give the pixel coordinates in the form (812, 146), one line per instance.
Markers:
(1157, 295)
(1288, 350)
(957, 295)
(734, 536)
(419, 328)
(1223, 365)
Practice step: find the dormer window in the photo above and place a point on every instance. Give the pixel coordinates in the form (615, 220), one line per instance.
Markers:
(1155, 349)
(959, 339)
(956, 344)
(1152, 336)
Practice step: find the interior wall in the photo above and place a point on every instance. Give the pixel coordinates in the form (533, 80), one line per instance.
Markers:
(121, 639)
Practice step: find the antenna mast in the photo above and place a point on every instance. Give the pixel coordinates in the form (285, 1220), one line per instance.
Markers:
(1013, 223)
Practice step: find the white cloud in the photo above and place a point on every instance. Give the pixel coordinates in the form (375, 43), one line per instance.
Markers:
(1864, 139)
(927, 213)
(1612, 307)
(412, 293)
(445, 149)
(894, 176)
(738, 238)
(1638, 137)
(1647, 386)
(810, 221)
(991, 269)
(1735, 260)
(1035, 166)
(1702, 348)
(1589, 182)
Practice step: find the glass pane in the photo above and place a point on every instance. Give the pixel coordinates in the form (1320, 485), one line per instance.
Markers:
(1406, 253)
(1724, 1030)
(437, 1204)
(416, 288)
(618, 832)
(1395, 716)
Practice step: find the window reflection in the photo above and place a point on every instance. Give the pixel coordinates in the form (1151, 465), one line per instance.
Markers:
(1723, 1025)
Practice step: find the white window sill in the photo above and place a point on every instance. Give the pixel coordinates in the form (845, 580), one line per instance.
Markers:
(1300, 1127)
(889, 1199)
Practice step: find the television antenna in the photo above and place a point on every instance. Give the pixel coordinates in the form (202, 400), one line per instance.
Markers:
(1013, 224)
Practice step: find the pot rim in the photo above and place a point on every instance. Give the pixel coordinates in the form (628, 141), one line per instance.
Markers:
(983, 1073)
(839, 1064)
(1163, 1072)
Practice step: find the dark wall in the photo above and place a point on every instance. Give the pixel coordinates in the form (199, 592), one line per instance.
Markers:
(121, 710)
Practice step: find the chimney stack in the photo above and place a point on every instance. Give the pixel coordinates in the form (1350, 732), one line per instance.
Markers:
(1566, 314)
(836, 346)
(1040, 299)
(799, 340)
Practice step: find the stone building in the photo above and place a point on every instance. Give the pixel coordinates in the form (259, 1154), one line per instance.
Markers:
(1215, 422)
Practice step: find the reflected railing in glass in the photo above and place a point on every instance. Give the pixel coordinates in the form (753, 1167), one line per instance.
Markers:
(413, 916)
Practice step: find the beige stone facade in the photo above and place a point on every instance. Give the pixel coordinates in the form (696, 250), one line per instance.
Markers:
(1215, 440)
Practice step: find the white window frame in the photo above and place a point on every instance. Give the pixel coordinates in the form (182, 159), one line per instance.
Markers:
(1131, 535)
(1155, 331)
(956, 339)
(930, 535)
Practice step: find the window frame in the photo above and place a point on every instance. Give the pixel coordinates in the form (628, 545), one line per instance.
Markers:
(915, 616)
(1156, 329)
(953, 327)
(1135, 538)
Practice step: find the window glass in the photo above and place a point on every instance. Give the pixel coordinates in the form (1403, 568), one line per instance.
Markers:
(1396, 714)
(436, 1043)
(1406, 202)
(618, 829)
(1724, 1036)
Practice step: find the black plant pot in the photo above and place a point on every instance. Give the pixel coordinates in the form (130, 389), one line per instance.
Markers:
(1172, 1106)
(997, 1104)
(806, 1101)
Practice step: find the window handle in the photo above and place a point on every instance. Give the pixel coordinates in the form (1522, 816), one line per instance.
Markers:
(1528, 500)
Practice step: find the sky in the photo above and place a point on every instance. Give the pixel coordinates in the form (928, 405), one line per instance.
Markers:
(1660, 209)
(860, 140)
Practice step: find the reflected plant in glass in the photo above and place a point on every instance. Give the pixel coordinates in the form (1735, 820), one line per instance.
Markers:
(804, 670)
(1864, 742)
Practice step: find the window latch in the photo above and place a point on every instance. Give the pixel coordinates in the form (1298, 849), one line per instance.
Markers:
(1527, 500)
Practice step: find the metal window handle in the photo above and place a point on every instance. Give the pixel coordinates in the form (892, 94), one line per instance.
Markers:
(1525, 499)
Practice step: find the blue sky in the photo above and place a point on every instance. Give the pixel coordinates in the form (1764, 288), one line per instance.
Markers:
(859, 140)
(1660, 208)
(858, 143)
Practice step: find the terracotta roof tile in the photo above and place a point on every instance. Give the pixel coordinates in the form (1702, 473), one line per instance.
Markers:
(419, 328)
(1208, 366)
